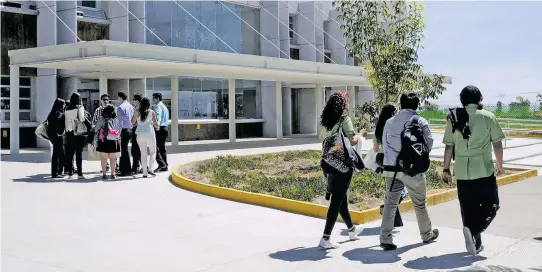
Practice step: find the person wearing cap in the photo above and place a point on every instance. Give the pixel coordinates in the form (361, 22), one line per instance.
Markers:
(472, 133)
(162, 115)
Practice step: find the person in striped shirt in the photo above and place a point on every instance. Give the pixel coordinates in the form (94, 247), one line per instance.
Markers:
(98, 112)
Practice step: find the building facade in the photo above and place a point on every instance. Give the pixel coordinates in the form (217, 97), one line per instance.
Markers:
(306, 31)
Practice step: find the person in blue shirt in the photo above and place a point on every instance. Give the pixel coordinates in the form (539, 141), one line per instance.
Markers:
(162, 115)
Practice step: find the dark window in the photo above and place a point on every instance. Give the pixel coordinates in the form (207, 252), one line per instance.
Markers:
(5, 81)
(5, 92)
(10, 4)
(24, 104)
(89, 4)
(24, 81)
(24, 92)
(291, 26)
(294, 53)
(327, 57)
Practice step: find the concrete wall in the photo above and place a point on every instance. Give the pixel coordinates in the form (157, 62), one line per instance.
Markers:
(67, 11)
(136, 28)
(118, 15)
(307, 122)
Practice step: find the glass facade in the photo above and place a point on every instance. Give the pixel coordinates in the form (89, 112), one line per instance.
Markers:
(205, 25)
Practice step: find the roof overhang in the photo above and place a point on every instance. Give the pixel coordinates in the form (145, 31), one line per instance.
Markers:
(122, 60)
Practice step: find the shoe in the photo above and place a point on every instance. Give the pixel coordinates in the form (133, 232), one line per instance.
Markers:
(353, 235)
(124, 174)
(388, 247)
(434, 237)
(158, 169)
(145, 176)
(81, 177)
(469, 241)
(164, 169)
(58, 176)
(327, 244)
(113, 177)
(152, 173)
(480, 249)
(104, 176)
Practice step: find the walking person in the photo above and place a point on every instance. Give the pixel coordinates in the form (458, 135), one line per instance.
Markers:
(162, 115)
(108, 133)
(398, 177)
(146, 122)
(335, 117)
(471, 133)
(56, 125)
(125, 112)
(136, 154)
(75, 139)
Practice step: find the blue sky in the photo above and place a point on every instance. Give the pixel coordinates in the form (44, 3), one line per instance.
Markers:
(496, 46)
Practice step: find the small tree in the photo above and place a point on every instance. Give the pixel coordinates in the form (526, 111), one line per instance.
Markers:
(386, 36)
(499, 108)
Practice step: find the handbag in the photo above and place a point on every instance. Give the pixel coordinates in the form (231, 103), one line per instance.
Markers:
(41, 130)
(336, 151)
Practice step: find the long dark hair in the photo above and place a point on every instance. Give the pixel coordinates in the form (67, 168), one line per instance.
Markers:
(144, 108)
(109, 112)
(75, 100)
(58, 106)
(388, 111)
(336, 107)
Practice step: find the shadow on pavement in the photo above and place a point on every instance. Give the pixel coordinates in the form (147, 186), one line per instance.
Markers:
(368, 255)
(536, 269)
(446, 261)
(489, 268)
(374, 231)
(538, 239)
(89, 178)
(300, 254)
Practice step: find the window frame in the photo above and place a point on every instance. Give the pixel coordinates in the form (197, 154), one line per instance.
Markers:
(3, 118)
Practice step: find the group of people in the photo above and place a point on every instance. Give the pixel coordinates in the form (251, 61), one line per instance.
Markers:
(471, 135)
(109, 131)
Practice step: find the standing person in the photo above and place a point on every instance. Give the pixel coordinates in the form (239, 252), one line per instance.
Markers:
(56, 125)
(104, 101)
(472, 132)
(146, 122)
(162, 115)
(108, 133)
(136, 154)
(335, 115)
(125, 112)
(74, 119)
(396, 180)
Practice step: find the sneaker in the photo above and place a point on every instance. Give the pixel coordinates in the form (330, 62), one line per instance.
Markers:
(388, 247)
(164, 169)
(469, 241)
(480, 249)
(353, 235)
(434, 237)
(327, 244)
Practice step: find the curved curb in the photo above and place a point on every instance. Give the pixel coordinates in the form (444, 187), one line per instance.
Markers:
(316, 210)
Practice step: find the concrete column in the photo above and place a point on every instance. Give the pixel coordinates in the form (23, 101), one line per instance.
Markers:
(118, 15)
(136, 28)
(174, 110)
(138, 86)
(231, 109)
(319, 107)
(14, 109)
(103, 84)
(278, 108)
(67, 11)
(351, 101)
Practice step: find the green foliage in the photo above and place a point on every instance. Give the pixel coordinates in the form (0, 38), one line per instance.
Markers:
(386, 36)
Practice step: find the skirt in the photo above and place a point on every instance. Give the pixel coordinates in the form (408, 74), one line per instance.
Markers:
(108, 146)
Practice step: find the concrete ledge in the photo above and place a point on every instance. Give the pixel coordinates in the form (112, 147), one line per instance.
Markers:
(316, 210)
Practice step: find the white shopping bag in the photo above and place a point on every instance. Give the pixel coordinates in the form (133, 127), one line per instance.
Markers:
(370, 160)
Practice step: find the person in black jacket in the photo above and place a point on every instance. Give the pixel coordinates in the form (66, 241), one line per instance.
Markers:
(55, 131)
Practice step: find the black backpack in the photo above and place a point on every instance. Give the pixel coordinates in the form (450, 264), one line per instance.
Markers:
(413, 159)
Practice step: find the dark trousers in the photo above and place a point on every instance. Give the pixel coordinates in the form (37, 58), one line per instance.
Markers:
(339, 183)
(75, 146)
(58, 159)
(479, 202)
(125, 166)
(136, 153)
(161, 153)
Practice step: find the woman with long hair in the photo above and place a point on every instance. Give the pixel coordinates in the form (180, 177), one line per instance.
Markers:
(55, 130)
(75, 118)
(108, 147)
(388, 111)
(146, 122)
(335, 113)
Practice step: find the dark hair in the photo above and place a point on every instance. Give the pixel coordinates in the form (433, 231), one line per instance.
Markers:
(471, 95)
(75, 100)
(409, 101)
(144, 108)
(104, 96)
(333, 110)
(123, 95)
(388, 111)
(58, 106)
(109, 112)
(157, 96)
(138, 97)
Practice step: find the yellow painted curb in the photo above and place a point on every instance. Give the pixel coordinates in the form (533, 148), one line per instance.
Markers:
(316, 210)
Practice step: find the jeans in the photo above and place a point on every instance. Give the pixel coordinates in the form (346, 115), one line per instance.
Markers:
(339, 183)
(125, 167)
(58, 157)
(136, 154)
(161, 153)
(75, 146)
(479, 202)
(417, 190)
(147, 141)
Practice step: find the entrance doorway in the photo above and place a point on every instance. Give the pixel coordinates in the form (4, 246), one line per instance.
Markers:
(91, 99)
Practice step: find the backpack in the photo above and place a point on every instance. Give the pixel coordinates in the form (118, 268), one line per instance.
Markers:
(335, 151)
(110, 130)
(413, 159)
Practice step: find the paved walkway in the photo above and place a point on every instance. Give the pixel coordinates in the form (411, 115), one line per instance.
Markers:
(150, 225)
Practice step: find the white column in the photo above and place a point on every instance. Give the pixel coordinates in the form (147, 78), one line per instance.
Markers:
(14, 109)
(351, 101)
(319, 107)
(103, 85)
(174, 110)
(231, 109)
(278, 108)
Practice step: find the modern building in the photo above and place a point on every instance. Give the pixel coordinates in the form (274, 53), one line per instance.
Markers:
(226, 69)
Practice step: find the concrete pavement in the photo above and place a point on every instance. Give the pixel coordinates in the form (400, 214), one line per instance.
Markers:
(150, 225)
